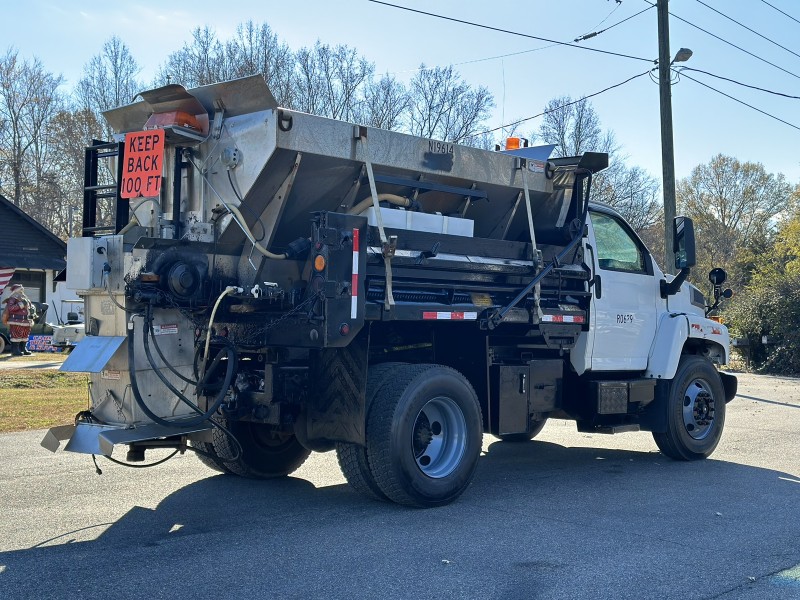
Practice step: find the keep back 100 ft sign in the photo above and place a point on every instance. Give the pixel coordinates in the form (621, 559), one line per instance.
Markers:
(143, 164)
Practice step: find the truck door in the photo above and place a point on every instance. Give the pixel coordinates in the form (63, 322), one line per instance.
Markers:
(623, 321)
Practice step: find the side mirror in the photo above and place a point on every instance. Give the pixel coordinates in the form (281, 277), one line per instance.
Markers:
(683, 243)
(685, 257)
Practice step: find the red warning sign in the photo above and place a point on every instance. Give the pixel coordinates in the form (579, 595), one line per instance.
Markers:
(144, 158)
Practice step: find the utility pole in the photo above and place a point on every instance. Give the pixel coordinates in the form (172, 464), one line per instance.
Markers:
(667, 148)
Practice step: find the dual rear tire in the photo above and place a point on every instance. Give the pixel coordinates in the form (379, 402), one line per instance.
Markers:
(424, 436)
(259, 452)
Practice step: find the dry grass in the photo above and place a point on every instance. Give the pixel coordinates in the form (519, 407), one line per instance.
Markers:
(40, 398)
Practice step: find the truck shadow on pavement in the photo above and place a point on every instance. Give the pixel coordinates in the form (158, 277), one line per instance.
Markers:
(538, 516)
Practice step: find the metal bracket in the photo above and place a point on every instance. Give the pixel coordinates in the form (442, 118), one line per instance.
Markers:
(389, 247)
(219, 111)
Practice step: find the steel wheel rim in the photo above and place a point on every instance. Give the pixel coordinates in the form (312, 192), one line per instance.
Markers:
(698, 409)
(439, 437)
(269, 439)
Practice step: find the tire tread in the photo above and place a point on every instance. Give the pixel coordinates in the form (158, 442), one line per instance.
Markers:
(380, 431)
(352, 458)
(668, 442)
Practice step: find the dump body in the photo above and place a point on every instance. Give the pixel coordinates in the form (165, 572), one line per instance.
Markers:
(283, 265)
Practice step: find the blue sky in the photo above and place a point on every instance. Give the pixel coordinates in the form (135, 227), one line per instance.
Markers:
(66, 34)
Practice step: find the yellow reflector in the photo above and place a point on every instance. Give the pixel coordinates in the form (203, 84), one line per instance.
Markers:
(512, 143)
(319, 263)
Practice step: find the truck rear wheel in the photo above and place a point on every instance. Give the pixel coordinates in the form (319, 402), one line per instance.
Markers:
(695, 411)
(424, 434)
(265, 451)
(353, 457)
(527, 436)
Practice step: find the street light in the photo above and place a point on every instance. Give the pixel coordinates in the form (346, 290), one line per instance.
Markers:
(667, 147)
(683, 55)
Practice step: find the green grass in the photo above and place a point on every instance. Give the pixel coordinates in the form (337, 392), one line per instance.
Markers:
(40, 398)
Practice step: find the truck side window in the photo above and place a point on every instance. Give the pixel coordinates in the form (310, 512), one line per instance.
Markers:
(616, 249)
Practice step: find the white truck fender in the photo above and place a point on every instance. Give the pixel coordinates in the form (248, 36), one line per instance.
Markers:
(715, 334)
(665, 353)
(673, 332)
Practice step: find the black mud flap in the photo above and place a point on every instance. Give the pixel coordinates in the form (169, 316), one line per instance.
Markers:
(336, 411)
(654, 416)
(730, 384)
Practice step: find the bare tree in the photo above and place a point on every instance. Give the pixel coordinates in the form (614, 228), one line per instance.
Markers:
(633, 192)
(385, 103)
(28, 99)
(574, 127)
(201, 62)
(256, 49)
(329, 80)
(444, 106)
(109, 78)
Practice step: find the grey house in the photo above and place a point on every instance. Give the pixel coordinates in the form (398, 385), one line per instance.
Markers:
(34, 252)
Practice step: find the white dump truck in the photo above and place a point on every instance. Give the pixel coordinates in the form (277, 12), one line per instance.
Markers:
(274, 283)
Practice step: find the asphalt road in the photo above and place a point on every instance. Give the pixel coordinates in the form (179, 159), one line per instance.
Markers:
(568, 515)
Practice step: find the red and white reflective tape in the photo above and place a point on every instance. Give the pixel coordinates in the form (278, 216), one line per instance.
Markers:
(562, 319)
(354, 283)
(450, 316)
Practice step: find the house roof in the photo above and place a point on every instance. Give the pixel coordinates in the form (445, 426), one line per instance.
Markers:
(27, 244)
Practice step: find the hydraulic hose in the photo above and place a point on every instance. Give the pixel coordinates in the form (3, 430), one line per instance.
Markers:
(240, 221)
(183, 423)
(243, 224)
(220, 396)
(390, 198)
(161, 354)
(225, 292)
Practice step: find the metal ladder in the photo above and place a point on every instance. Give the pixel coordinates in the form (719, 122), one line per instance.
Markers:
(94, 191)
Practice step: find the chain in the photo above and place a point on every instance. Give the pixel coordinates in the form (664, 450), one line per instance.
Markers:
(258, 335)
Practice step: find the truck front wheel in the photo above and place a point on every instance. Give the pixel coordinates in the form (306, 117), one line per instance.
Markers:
(265, 452)
(424, 435)
(695, 411)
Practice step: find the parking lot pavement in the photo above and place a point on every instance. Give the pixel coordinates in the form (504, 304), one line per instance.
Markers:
(569, 515)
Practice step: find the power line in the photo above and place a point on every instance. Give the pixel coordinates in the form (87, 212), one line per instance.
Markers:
(727, 42)
(763, 112)
(780, 11)
(509, 54)
(546, 112)
(608, 16)
(476, 60)
(752, 87)
(771, 41)
(525, 35)
(596, 33)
